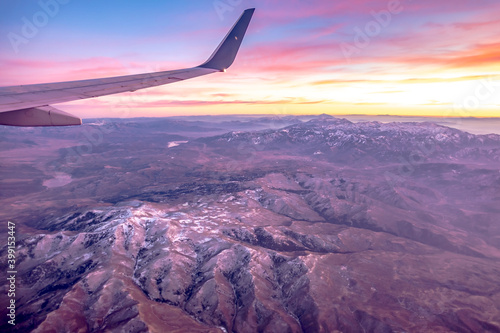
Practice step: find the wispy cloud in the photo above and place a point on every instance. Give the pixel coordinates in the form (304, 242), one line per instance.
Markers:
(427, 55)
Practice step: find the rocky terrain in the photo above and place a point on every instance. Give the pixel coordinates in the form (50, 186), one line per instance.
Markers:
(252, 225)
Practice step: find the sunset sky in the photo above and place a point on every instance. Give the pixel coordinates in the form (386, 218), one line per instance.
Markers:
(408, 57)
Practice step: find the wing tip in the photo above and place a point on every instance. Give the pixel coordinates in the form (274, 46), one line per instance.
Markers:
(223, 57)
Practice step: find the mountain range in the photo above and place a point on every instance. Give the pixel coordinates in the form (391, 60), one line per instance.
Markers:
(252, 224)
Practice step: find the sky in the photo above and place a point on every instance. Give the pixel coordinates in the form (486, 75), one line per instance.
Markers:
(396, 57)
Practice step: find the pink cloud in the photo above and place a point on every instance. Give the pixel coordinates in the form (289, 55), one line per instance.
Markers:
(296, 42)
(28, 71)
(479, 55)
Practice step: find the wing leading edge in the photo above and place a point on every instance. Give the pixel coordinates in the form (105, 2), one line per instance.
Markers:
(28, 105)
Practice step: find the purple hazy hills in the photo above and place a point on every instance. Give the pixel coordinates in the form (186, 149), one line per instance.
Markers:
(252, 224)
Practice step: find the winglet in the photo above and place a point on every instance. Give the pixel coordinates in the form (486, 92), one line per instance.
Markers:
(225, 53)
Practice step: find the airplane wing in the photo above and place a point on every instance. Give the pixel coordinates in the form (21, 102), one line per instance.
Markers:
(28, 105)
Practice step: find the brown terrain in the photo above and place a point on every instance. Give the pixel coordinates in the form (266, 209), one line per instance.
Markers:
(252, 225)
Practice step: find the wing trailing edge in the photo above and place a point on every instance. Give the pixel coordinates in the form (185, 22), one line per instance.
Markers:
(39, 116)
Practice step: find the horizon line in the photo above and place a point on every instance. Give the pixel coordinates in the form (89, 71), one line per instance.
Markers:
(301, 115)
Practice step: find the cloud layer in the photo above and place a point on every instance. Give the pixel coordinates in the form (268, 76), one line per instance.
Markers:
(425, 57)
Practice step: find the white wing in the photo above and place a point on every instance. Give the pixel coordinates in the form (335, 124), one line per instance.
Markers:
(28, 105)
